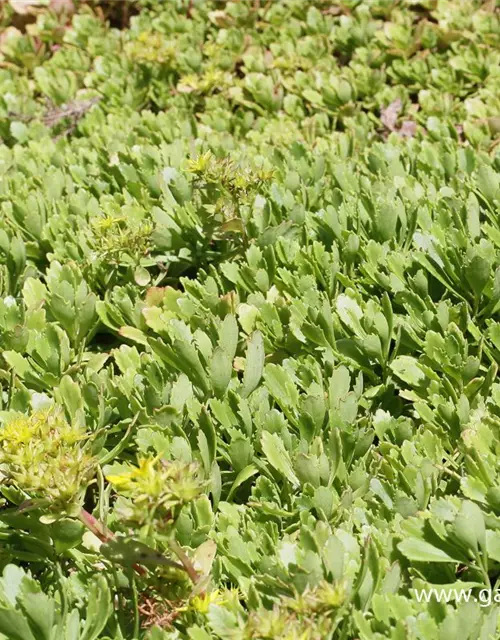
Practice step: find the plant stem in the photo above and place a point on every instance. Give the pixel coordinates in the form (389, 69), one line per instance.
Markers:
(95, 526)
(103, 533)
(185, 561)
(136, 604)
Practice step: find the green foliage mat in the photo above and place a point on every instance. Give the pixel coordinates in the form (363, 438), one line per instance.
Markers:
(249, 320)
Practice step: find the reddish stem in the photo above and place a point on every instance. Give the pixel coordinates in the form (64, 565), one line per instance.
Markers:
(186, 562)
(102, 532)
(94, 525)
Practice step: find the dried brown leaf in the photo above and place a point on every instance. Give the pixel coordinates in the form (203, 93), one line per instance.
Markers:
(62, 6)
(389, 115)
(25, 6)
(408, 128)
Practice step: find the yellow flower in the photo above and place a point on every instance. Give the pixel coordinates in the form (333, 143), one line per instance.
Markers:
(330, 595)
(104, 224)
(126, 479)
(18, 431)
(40, 453)
(200, 163)
(157, 487)
(203, 602)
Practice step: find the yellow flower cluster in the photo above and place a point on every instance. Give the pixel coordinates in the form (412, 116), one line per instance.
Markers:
(114, 234)
(156, 489)
(303, 617)
(43, 455)
(151, 46)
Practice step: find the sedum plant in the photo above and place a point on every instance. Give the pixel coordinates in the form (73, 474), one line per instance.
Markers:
(249, 334)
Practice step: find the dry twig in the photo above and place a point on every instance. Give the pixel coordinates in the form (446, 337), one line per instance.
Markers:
(73, 111)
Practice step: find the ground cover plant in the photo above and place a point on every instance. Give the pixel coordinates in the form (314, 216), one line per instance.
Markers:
(249, 319)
